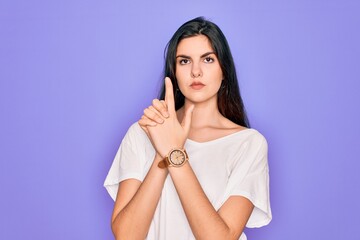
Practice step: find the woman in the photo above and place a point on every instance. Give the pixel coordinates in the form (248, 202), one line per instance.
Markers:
(191, 168)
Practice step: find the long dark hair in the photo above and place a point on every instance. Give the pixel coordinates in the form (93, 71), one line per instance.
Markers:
(230, 103)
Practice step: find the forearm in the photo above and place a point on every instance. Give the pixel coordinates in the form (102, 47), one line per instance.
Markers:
(204, 220)
(133, 221)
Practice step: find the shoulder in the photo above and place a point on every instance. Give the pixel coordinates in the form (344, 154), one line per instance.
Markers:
(250, 150)
(135, 133)
(255, 140)
(249, 142)
(136, 144)
(254, 135)
(135, 129)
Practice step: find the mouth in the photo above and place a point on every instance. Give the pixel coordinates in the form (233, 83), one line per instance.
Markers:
(197, 85)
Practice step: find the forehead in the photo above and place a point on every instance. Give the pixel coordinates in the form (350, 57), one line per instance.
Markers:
(196, 45)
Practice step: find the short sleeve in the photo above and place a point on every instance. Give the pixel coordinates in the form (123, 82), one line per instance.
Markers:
(129, 161)
(249, 177)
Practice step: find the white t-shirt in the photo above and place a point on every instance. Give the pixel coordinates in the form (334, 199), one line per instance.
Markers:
(232, 165)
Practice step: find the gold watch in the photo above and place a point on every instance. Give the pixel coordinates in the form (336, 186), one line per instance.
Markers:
(176, 158)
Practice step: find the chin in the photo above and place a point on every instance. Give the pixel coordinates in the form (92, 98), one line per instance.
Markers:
(201, 99)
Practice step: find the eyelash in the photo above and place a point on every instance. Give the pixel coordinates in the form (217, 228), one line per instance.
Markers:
(182, 61)
(206, 60)
(209, 60)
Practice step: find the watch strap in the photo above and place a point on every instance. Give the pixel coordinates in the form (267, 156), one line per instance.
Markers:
(164, 163)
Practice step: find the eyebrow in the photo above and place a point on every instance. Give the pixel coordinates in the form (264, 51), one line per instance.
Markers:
(188, 57)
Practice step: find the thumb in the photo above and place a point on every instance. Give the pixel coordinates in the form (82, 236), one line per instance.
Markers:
(186, 122)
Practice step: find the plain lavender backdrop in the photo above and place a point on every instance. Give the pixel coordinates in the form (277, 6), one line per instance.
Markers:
(75, 74)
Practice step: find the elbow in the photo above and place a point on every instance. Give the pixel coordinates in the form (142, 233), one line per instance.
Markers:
(233, 234)
(118, 228)
(115, 229)
(225, 233)
(113, 225)
(119, 232)
(116, 233)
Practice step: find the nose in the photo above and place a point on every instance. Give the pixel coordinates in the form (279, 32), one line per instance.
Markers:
(196, 71)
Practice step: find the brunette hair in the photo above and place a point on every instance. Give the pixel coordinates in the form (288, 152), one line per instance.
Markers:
(230, 103)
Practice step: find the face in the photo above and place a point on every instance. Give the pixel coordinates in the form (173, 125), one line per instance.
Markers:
(198, 70)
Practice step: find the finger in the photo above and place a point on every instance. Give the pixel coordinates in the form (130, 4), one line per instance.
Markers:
(153, 114)
(169, 95)
(159, 106)
(186, 122)
(163, 103)
(158, 116)
(144, 122)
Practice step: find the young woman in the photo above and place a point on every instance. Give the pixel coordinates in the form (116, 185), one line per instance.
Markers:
(191, 168)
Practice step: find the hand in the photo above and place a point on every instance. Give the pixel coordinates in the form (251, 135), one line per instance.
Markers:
(170, 133)
(154, 114)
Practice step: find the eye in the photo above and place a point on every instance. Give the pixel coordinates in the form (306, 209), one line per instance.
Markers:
(208, 60)
(184, 61)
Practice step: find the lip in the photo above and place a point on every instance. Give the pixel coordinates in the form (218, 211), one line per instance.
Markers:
(197, 85)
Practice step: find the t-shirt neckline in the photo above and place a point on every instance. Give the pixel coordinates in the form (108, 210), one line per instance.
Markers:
(220, 138)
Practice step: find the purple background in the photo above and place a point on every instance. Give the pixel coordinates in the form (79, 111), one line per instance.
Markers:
(75, 74)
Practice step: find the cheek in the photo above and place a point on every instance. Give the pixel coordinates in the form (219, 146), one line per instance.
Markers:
(217, 85)
(217, 77)
(217, 81)
(219, 73)
(181, 78)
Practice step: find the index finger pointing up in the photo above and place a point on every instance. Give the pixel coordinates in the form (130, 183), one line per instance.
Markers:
(169, 95)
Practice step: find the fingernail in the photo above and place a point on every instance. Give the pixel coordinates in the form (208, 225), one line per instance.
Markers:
(159, 120)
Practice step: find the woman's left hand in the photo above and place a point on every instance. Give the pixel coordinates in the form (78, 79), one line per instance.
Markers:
(170, 133)
(154, 114)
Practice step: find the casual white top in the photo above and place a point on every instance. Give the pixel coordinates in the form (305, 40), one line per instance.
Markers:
(234, 165)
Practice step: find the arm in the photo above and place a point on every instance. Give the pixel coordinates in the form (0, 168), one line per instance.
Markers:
(204, 220)
(136, 203)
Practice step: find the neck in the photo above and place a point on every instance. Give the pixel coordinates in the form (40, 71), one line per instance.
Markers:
(204, 114)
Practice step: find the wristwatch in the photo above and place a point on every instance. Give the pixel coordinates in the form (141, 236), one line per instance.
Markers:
(176, 158)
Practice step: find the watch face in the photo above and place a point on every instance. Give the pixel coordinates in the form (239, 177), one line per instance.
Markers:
(177, 157)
